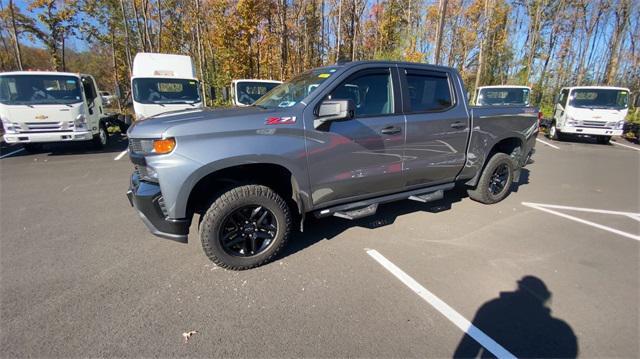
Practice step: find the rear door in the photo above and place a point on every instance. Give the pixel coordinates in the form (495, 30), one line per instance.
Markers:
(437, 126)
(360, 157)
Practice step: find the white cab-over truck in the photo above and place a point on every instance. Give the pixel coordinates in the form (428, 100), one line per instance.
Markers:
(162, 83)
(502, 95)
(39, 107)
(590, 110)
(244, 92)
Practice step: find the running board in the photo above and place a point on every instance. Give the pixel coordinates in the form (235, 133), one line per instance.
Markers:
(369, 207)
(429, 197)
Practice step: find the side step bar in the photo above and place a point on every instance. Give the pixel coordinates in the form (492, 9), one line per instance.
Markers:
(369, 207)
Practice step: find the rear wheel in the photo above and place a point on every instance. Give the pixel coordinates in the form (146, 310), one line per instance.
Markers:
(495, 182)
(245, 227)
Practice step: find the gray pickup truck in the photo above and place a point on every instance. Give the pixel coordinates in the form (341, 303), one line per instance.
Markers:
(333, 141)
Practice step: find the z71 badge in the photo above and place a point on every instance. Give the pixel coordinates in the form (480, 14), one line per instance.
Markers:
(281, 120)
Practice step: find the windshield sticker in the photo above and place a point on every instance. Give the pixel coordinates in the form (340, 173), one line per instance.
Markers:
(192, 82)
(71, 82)
(324, 76)
(286, 103)
(332, 70)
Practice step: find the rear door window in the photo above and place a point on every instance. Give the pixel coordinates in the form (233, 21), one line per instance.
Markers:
(428, 91)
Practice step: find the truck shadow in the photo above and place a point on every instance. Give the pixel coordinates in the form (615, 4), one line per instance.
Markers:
(117, 143)
(316, 230)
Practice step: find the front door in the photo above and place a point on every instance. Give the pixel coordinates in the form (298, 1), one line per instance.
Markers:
(437, 127)
(362, 156)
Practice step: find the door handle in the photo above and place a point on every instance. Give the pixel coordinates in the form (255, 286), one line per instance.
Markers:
(390, 130)
(459, 125)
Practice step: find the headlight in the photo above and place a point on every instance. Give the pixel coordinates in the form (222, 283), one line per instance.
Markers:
(572, 121)
(620, 125)
(157, 146)
(80, 123)
(9, 127)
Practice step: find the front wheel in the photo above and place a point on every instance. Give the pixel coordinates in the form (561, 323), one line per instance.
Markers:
(554, 133)
(495, 182)
(604, 140)
(245, 227)
(100, 140)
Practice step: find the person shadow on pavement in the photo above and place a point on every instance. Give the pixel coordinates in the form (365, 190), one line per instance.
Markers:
(521, 322)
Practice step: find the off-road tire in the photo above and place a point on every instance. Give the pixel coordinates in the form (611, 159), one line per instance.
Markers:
(482, 193)
(227, 203)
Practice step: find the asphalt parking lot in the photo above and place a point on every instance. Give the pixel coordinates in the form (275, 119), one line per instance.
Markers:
(81, 276)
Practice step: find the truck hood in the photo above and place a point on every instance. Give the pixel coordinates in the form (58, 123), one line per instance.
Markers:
(41, 113)
(156, 126)
(597, 114)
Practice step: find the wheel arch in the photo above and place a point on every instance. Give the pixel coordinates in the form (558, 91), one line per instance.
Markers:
(511, 145)
(212, 179)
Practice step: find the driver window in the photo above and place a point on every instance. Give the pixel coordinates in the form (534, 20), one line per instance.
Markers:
(89, 90)
(370, 91)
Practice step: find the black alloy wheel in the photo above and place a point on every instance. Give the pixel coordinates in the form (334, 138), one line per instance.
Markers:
(248, 231)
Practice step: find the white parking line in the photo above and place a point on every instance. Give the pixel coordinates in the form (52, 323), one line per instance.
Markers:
(547, 143)
(12, 153)
(580, 209)
(456, 318)
(542, 207)
(119, 156)
(623, 145)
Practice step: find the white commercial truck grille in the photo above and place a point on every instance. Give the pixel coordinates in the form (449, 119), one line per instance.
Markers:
(44, 126)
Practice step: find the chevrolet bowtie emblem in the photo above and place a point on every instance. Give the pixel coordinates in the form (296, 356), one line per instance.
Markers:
(41, 117)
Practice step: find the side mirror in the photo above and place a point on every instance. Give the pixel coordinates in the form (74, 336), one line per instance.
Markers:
(225, 94)
(333, 110)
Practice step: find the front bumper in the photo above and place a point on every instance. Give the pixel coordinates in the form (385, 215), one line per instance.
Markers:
(40, 137)
(592, 131)
(146, 198)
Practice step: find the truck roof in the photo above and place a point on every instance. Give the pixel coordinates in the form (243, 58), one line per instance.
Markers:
(147, 64)
(386, 63)
(75, 74)
(505, 86)
(596, 87)
(257, 80)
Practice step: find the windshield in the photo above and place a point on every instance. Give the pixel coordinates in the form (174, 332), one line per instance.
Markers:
(165, 91)
(39, 89)
(290, 93)
(503, 96)
(600, 98)
(247, 92)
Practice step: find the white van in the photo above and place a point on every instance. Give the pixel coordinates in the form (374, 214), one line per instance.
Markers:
(502, 95)
(590, 110)
(162, 83)
(245, 92)
(37, 107)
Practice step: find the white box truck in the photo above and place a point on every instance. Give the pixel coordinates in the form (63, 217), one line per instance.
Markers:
(597, 111)
(162, 83)
(38, 107)
(244, 92)
(501, 95)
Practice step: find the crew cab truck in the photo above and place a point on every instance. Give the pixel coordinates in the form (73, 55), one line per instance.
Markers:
(38, 107)
(502, 95)
(162, 83)
(254, 173)
(244, 92)
(589, 110)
